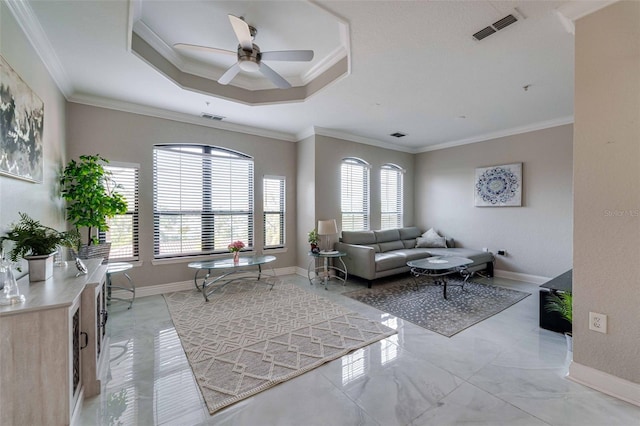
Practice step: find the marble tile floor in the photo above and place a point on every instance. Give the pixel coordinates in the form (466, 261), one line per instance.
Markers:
(502, 371)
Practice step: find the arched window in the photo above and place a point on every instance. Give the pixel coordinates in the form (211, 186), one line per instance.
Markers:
(202, 199)
(354, 194)
(391, 200)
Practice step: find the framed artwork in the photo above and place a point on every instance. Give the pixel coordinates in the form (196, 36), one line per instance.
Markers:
(21, 126)
(499, 186)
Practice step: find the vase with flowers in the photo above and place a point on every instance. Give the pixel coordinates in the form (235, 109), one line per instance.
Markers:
(235, 248)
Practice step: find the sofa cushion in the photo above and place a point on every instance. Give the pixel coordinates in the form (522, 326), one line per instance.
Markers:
(409, 243)
(417, 253)
(391, 245)
(431, 239)
(375, 247)
(408, 233)
(390, 260)
(387, 235)
(358, 237)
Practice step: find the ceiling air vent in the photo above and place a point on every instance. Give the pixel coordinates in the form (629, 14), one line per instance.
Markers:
(485, 32)
(496, 26)
(504, 22)
(398, 135)
(212, 117)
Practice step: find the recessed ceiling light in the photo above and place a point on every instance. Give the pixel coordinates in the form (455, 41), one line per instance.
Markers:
(398, 135)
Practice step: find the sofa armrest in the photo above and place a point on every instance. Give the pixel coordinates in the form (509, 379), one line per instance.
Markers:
(360, 260)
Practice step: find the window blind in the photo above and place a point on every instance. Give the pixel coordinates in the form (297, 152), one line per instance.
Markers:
(203, 200)
(391, 196)
(124, 228)
(273, 211)
(354, 194)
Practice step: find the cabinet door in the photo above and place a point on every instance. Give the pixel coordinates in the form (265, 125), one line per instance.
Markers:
(77, 340)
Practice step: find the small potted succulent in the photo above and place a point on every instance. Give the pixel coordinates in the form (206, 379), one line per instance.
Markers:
(314, 240)
(37, 244)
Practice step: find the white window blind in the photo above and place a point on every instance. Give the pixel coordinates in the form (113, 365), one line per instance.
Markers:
(354, 194)
(203, 199)
(123, 229)
(391, 196)
(274, 210)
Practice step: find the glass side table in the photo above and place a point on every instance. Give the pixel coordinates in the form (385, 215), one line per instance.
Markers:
(120, 268)
(325, 268)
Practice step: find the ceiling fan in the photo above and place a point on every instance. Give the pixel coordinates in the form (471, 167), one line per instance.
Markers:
(249, 55)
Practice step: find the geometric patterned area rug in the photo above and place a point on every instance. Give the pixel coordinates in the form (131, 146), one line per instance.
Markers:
(426, 307)
(248, 338)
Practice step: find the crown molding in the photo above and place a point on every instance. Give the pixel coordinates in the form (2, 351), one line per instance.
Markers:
(177, 116)
(571, 11)
(501, 134)
(30, 25)
(321, 131)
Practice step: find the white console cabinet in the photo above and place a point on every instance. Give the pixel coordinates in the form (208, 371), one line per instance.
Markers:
(52, 347)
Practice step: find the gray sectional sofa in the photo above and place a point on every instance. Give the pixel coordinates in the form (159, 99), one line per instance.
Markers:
(376, 254)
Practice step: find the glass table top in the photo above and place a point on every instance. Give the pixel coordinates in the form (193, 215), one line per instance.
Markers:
(439, 262)
(228, 263)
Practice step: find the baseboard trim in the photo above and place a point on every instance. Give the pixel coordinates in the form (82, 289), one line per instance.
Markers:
(516, 276)
(604, 382)
(153, 290)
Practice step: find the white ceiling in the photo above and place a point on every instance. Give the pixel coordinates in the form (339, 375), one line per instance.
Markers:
(414, 66)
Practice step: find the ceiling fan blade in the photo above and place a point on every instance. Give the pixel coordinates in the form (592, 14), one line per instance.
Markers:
(288, 55)
(242, 31)
(195, 47)
(229, 74)
(274, 76)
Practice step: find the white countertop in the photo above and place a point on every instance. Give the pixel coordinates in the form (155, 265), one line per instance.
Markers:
(60, 290)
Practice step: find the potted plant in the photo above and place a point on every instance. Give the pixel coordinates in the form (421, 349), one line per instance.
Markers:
(89, 192)
(37, 244)
(562, 303)
(314, 240)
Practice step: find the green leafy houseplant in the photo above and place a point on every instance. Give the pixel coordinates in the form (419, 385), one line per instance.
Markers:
(314, 238)
(31, 238)
(89, 192)
(561, 303)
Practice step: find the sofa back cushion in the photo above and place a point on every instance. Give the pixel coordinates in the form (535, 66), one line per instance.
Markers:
(409, 233)
(387, 235)
(358, 237)
(391, 245)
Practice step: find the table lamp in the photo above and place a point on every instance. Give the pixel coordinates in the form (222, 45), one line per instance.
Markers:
(326, 228)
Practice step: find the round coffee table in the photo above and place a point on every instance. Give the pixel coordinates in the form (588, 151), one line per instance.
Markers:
(438, 267)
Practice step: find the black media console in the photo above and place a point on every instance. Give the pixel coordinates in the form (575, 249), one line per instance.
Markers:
(552, 320)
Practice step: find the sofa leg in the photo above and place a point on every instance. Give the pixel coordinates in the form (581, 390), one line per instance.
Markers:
(370, 283)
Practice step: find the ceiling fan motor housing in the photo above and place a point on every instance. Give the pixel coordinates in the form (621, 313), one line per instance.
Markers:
(249, 60)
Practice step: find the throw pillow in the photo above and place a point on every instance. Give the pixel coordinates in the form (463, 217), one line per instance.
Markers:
(431, 239)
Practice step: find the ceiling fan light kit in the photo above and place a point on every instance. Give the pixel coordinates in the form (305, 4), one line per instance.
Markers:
(249, 55)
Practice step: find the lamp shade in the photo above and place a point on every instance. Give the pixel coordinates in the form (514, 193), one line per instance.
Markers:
(327, 227)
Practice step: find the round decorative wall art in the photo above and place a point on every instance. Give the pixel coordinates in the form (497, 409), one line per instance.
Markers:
(499, 186)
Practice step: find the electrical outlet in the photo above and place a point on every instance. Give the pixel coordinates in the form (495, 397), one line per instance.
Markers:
(598, 322)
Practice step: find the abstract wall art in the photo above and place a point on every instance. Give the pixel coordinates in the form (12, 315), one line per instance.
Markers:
(499, 186)
(21, 127)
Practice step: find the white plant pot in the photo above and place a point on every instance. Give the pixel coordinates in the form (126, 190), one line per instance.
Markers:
(40, 267)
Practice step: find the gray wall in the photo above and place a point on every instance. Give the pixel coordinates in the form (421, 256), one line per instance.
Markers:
(39, 200)
(125, 137)
(536, 236)
(306, 196)
(321, 157)
(607, 189)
